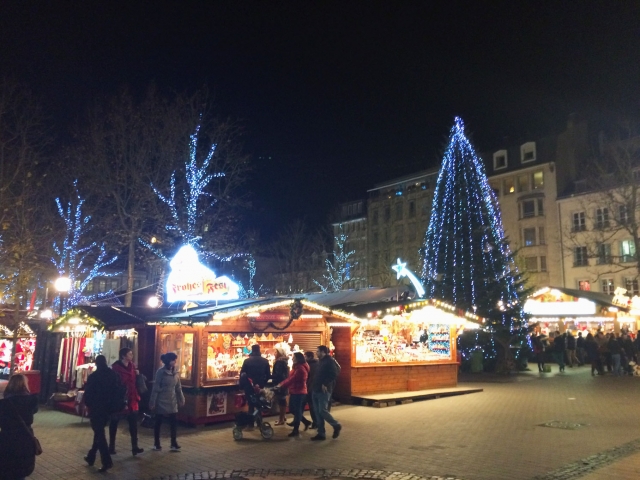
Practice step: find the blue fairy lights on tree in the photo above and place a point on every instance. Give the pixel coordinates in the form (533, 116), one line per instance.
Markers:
(467, 261)
(77, 260)
(339, 266)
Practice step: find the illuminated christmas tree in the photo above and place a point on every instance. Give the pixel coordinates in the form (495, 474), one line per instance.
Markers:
(339, 267)
(467, 261)
(80, 261)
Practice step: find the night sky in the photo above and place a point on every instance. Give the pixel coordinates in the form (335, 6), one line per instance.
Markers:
(336, 96)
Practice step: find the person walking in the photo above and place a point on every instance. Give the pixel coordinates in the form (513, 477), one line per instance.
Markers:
(17, 447)
(297, 384)
(615, 350)
(538, 350)
(322, 388)
(559, 348)
(571, 350)
(280, 373)
(166, 396)
(312, 361)
(257, 369)
(593, 354)
(103, 395)
(580, 348)
(127, 372)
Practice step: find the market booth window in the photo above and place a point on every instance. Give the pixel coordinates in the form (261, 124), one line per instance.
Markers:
(182, 345)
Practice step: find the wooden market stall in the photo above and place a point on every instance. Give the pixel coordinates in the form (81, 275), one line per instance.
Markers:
(212, 343)
(398, 347)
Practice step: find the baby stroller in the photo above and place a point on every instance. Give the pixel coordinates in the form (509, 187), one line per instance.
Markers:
(261, 399)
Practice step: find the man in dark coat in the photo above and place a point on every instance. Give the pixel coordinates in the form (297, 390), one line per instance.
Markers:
(101, 395)
(258, 371)
(322, 387)
(559, 349)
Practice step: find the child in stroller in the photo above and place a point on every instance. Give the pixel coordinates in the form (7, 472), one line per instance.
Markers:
(259, 401)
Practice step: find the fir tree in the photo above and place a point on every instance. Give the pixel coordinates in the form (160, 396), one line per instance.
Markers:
(467, 260)
(339, 267)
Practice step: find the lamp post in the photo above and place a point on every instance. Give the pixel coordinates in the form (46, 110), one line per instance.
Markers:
(63, 285)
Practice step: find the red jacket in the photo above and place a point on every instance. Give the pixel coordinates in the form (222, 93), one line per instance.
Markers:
(297, 381)
(128, 377)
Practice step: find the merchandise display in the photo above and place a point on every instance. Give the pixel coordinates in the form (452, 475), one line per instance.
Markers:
(401, 341)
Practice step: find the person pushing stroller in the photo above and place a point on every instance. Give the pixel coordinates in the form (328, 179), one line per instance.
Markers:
(257, 369)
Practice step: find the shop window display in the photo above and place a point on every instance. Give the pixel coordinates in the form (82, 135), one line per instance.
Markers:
(399, 340)
(182, 345)
(6, 347)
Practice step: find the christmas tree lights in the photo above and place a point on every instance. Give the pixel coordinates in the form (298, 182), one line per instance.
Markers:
(467, 261)
(338, 270)
(76, 260)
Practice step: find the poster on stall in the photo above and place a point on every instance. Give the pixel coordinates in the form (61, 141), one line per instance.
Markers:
(217, 404)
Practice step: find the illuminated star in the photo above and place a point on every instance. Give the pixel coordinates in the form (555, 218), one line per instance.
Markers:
(400, 269)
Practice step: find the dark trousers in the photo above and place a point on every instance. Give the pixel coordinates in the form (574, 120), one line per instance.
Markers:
(173, 425)
(308, 400)
(132, 419)
(98, 424)
(296, 404)
(540, 358)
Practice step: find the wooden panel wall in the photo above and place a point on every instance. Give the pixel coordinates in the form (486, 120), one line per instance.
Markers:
(341, 338)
(387, 379)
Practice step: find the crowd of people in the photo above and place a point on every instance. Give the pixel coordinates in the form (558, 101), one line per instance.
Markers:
(618, 353)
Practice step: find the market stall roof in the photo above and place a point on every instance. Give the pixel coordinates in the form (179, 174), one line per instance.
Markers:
(600, 298)
(351, 298)
(108, 317)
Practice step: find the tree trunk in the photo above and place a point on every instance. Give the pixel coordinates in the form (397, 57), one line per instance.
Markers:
(131, 260)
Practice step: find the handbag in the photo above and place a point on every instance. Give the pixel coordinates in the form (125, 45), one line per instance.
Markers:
(36, 442)
(147, 420)
(141, 384)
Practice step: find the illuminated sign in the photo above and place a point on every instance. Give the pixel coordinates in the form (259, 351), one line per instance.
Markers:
(402, 271)
(580, 307)
(189, 280)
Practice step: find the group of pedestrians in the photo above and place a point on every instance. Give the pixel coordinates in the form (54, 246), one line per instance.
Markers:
(112, 394)
(614, 351)
(310, 381)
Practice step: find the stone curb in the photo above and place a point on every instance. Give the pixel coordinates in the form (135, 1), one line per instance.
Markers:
(311, 472)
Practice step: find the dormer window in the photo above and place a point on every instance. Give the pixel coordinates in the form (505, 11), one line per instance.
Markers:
(500, 160)
(528, 152)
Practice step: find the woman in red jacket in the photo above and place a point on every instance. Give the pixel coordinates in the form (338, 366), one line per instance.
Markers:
(127, 372)
(297, 384)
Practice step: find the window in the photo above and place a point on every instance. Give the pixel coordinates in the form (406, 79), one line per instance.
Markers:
(137, 284)
(509, 186)
(541, 239)
(632, 286)
(375, 239)
(528, 152)
(579, 222)
(528, 208)
(412, 232)
(425, 208)
(543, 264)
(374, 261)
(531, 264)
(529, 237)
(102, 286)
(387, 213)
(540, 203)
(399, 233)
(412, 209)
(114, 285)
(604, 254)
(399, 211)
(623, 214)
(538, 180)
(607, 286)
(627, 251)
(584, 285)
(602, 217)
(374, 217)
(580, 257)
(89, 288)
(500, 160)
(523, 183)
(182, 345)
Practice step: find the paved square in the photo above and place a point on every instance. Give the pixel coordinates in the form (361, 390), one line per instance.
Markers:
(491, 435)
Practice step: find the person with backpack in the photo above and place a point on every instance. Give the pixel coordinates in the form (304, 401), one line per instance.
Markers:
(104, 395)
(127, 372)
(166, 396)
(322, 387)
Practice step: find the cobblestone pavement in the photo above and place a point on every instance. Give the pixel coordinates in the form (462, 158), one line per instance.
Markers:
(496, 434)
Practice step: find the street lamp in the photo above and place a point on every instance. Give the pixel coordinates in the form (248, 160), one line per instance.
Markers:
(62, 285)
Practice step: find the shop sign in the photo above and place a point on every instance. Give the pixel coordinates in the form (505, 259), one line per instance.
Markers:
(189, 280)
(560, 309)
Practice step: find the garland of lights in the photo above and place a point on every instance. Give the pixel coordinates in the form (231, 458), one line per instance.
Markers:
(294, 313)
(72, 254)
(466, 259)
(83, 319)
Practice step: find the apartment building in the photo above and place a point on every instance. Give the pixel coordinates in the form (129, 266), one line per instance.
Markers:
(352, 221)
(398, 217)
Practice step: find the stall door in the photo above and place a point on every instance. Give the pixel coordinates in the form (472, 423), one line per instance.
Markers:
(308, 342)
